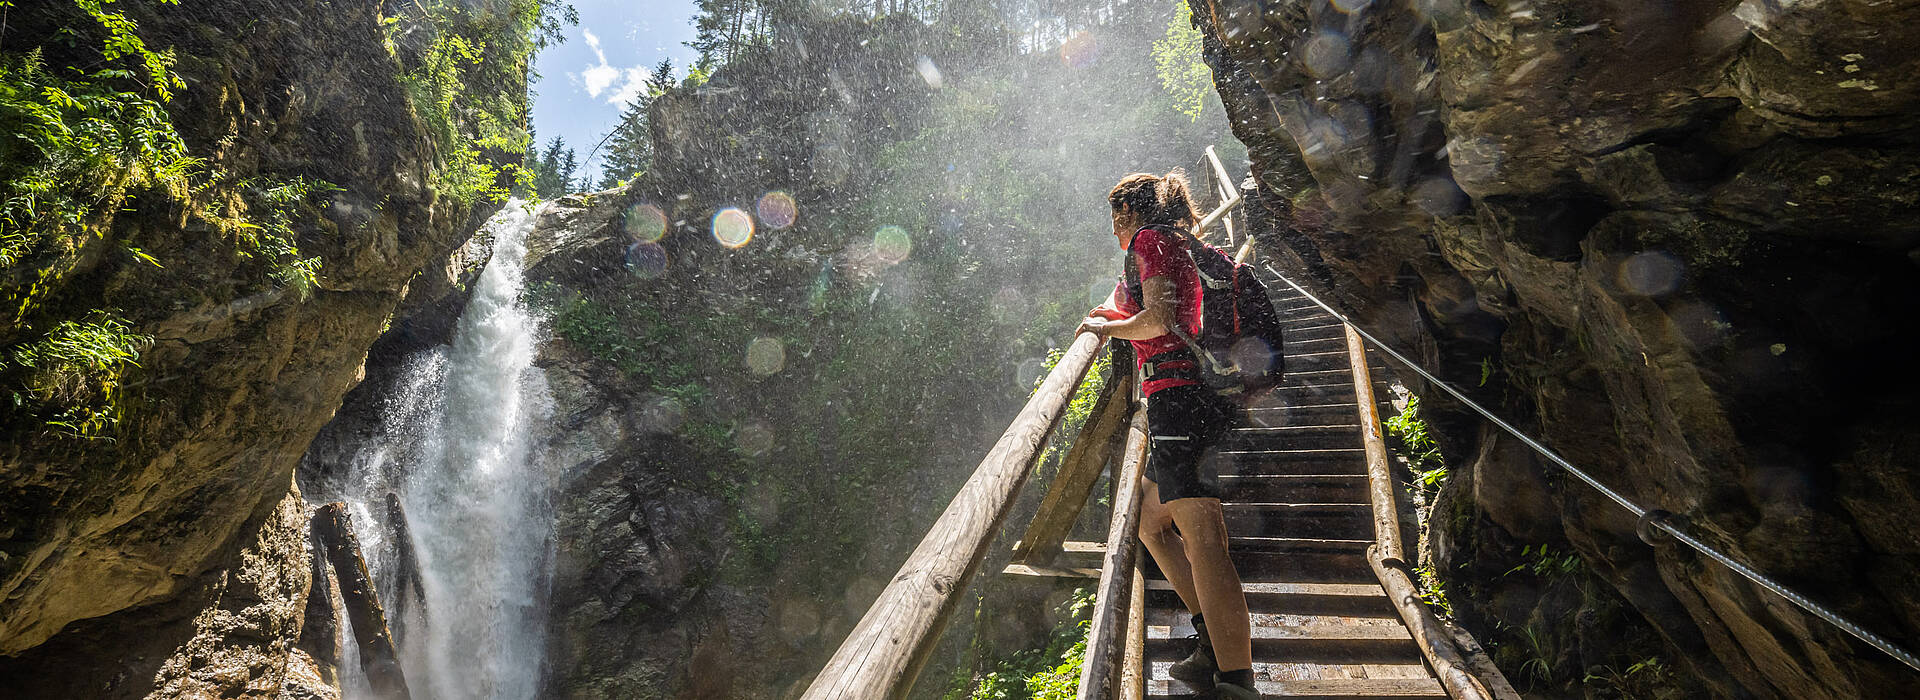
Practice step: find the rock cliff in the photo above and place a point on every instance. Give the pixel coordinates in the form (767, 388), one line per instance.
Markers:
(1672, 239)
(170, 558)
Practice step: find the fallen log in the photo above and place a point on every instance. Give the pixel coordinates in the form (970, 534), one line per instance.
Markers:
(333, 528)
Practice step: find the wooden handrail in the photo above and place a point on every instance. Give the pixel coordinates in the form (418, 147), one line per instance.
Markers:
(1387, 556)
(1112, 598)
(1386, 516)
(884, 653)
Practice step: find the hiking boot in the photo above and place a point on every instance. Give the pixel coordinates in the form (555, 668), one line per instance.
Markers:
(1198, 668)
(1229, 691)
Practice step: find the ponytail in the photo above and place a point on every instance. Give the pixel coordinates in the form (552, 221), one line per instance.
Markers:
(1176, 202)
(1158, 200)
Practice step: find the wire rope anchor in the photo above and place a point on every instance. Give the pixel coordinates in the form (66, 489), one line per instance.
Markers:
(1654, 527)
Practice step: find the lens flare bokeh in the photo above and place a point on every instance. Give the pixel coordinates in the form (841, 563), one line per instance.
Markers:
(1651, 273)
(732, 227)
(766, 356)
(777, 210)
(928, 72)
(1079, 50)
(645, 223)
(892, 245)
(753, 440)
(646, 260)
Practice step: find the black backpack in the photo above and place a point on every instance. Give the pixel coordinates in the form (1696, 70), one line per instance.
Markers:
(1239, 346)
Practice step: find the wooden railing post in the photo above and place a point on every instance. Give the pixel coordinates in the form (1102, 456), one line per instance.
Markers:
(1387, 555)
(885, 651)
(1079, 470)
(1112, 598)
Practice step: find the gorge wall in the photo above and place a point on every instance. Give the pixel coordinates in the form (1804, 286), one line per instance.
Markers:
(166, 552)
(1675, 240)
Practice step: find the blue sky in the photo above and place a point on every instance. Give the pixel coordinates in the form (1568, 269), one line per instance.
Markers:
(585, 81)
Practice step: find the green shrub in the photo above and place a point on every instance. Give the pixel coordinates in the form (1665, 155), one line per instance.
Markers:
(1051, 672)
(75, 371)
(1183, 74)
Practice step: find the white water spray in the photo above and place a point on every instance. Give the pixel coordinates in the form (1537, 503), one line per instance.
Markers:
(454, 450)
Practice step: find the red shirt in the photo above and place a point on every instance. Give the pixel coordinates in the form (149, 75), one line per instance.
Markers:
(1161, 253)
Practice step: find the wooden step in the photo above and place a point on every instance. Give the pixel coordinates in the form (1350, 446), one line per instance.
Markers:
(1299, 545)
(1296, 638)
(1328, 344)
(1244, 463)
(1348, 521)
(1330, 327)
(1298, 488)
(1310, 377)
(1278, 411)
(1354, 600)
(1315, 689)
(1294, 567)
(1297, 437)
(1313, 317)
(1317, 358)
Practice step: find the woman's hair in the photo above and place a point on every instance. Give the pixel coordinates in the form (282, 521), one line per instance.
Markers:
(1162, 200)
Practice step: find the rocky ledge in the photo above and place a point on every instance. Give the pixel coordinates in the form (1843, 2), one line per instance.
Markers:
(1672, 239)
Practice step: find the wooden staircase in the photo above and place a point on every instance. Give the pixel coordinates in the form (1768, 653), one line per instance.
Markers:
(1309, 504)
(1300, 521)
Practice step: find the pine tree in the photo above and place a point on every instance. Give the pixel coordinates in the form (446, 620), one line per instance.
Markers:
(629, 148)
(545, 165)
(565, 167)
(661, 80)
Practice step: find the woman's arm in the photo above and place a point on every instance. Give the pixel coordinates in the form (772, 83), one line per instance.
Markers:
(1152, 321)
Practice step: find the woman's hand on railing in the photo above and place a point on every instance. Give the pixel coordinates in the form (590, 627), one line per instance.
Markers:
(1098, 320)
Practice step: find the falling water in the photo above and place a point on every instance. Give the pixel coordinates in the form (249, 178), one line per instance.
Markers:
(454, 450)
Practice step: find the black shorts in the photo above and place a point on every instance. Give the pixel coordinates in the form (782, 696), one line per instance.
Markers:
(1184, 423)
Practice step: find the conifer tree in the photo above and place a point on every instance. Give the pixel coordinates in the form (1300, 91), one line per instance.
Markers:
(629, 148)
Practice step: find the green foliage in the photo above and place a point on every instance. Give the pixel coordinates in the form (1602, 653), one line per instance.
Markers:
(1417, 445)
(468, 83)
(267, 234)
(121, 42)
(1079, 408)
(552, 170)
(1048, 673)
(1433, 590)
(1183, 72)
(1649, 678)
(79, 145)
(1544, 561)
(75, 373)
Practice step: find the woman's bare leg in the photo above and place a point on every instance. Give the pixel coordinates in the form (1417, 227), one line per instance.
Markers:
(1203, 527)
(1169, 550)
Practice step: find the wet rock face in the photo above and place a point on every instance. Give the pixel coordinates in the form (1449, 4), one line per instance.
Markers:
(1672, 239)
(238, 380)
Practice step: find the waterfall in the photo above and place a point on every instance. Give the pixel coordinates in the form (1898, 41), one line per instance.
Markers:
(453, 456)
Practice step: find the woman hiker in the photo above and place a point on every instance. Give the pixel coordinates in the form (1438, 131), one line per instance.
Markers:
(1180, 517)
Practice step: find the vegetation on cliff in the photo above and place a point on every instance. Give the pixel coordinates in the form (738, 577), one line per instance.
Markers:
(93, 136)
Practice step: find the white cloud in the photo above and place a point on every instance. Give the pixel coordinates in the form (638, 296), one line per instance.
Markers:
(636, 80)
(603, 76)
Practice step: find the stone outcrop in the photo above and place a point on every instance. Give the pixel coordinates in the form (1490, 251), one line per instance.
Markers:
(1675, 240)
(188, 507)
